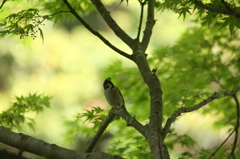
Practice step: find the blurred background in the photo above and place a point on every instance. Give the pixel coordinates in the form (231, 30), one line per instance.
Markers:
(70, 65)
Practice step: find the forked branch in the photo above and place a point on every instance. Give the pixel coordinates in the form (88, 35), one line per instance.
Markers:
(79, 18)
(131, 121)
(112, 23)
(195, 107)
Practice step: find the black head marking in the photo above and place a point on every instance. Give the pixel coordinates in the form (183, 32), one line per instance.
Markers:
(107, 83)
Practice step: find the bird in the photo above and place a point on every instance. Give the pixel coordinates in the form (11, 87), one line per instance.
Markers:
(113, 95)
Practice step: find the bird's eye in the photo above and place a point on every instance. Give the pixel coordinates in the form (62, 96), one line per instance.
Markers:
(106, 86)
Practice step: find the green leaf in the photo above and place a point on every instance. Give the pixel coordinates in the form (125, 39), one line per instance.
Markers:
(183, 11)
(14, 117)
(41, 34)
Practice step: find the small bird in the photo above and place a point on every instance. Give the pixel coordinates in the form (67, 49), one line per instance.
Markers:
(113, 94)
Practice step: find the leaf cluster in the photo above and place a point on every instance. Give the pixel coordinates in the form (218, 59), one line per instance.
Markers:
(15, 116)
(130, 145)
(57, 7)
(24, 23)
(227, 13)
(92, 119)
(95, 116)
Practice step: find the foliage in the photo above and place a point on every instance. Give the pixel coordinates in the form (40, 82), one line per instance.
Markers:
(129, 144)
(201, 62)
(82, 6)
(23, 23)
(28, 22)
(204, 60)
(14, 117)
(94, 117)
(225, 12)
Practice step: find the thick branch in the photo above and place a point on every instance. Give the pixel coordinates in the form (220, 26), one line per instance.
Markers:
(149, 25)
(195, 107)
(79, 18)
(226, 11)
(112, 24)
(41, 148)
(153, 137)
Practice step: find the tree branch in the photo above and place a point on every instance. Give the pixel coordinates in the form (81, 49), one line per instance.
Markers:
(226, 5)
(63, 11)
(236, 127)
(141, 18)
(112, 24)
(221, 145)
(100, 131)
(41, 148)
(149, 25)
(154, 133)
(94, 32)
(195, 107)
(131, 121)
(3, 2)
(226, 11)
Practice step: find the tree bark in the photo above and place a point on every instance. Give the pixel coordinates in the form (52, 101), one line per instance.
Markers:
(41, 148)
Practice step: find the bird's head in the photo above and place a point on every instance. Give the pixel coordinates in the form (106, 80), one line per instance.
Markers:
(108, 84)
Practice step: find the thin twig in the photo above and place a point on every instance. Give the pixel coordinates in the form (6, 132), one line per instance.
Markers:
(131, 121)
(4, 1)
(221, 144)
(100, 131)
(95, 32)
(63, 11)
(237, 114)
(217, 81)
(236, 127)
(112, 23)
(141, 18)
